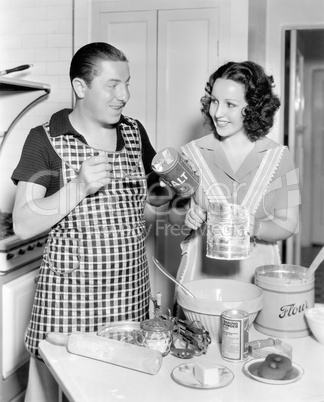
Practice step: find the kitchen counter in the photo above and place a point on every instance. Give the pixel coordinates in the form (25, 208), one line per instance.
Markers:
(87, 380)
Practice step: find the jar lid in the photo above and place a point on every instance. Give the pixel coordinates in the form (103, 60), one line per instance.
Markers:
(157, 325)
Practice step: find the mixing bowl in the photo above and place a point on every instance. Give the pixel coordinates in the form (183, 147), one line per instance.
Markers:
(213, 296)
(315, 318)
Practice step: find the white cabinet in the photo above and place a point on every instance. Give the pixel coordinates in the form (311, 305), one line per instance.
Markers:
(172, 47)
(17, 300)
(172, 50)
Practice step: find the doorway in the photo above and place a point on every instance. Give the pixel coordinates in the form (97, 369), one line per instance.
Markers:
(304, 133)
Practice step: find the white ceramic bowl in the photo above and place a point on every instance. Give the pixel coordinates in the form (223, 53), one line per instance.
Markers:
(213, 297)
(315, 319)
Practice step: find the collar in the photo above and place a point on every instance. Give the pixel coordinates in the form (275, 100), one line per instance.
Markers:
(60, 125)
(211, 144)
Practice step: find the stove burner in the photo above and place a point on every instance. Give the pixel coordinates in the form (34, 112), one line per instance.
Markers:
(6, 227)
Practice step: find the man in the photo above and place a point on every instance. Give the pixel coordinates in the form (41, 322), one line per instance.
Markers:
(82, 177)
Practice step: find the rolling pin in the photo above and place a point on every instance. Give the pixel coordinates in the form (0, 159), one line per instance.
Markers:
(115, 352)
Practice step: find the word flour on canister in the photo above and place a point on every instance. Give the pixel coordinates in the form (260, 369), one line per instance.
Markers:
(175, 172)
(287, 294)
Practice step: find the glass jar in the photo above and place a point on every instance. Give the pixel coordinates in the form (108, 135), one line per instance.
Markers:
(156, 334)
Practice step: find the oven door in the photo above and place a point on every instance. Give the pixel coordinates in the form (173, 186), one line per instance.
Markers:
(17, 300)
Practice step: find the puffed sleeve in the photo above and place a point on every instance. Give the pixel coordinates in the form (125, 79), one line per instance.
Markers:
(283, 191)
(35, 161)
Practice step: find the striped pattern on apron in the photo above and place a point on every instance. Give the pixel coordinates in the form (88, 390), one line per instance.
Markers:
(94, 269)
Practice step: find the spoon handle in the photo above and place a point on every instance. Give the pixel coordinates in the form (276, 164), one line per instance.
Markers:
(315, 264)
(173, 279)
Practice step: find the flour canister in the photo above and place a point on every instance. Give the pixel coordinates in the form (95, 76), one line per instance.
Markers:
(287, 294)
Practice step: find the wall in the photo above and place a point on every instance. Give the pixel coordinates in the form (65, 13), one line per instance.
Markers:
(46, 33)
(37, 32)
(287, 14)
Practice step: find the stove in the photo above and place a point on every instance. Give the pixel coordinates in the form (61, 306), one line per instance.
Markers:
(19, 259)
(19, 266)
(15, 253)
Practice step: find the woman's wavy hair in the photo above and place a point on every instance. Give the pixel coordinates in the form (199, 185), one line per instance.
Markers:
(262, 103)
(85, 63)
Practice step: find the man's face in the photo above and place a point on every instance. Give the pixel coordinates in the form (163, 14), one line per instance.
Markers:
(105, 99)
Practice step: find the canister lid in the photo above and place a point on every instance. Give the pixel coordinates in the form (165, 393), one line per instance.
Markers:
(283, 275)
(164, 159)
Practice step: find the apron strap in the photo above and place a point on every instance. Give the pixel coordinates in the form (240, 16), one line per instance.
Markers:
(210, 185)
(262, 179)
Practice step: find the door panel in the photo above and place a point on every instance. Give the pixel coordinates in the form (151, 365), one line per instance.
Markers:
(17, 300)
(295, 131)
(187, 54)
(171, 53)
(318, 162)
(135, 34)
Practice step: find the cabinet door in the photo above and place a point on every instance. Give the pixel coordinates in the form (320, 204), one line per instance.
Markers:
(135, 34)
(17, 300)
(171, 53)
(187, 54)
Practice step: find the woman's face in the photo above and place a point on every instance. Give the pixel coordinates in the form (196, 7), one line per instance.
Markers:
(228, 101)
(108, 94)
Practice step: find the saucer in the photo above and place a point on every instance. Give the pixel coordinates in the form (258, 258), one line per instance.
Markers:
(184, 375)
(251, 368)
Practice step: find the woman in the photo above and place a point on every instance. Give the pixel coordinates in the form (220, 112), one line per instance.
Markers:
(83, 178)
(238, 164)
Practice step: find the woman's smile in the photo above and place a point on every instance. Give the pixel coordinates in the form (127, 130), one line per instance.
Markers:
(221, 123)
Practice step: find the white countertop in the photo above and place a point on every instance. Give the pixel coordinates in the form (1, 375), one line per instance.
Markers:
(87, 380)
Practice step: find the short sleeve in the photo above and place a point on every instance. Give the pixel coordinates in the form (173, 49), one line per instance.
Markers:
(35, 161)
(148, 150)
(283, 191)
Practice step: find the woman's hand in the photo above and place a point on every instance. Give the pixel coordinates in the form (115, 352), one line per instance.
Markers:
(195, 217)
(191, 163)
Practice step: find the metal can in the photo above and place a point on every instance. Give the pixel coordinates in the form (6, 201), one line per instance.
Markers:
(175, 172)
(235, 335)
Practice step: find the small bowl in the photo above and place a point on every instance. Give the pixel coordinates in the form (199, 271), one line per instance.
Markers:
(213, 297)
(315, 319)
(123, 331)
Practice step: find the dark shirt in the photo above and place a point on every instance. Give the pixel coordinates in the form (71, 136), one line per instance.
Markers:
(40, 163)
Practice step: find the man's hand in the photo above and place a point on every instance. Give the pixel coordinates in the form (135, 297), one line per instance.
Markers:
(95, 173)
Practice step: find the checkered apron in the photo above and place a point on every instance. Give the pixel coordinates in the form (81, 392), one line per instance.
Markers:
(94, 268)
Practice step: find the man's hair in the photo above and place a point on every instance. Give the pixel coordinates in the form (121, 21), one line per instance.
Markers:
(85, 63)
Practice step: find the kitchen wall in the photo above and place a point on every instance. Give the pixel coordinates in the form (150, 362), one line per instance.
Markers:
(46, 33)
(38, 32)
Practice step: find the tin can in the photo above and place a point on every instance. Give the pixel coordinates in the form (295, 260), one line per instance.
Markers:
(175, 172)
(235, 335)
